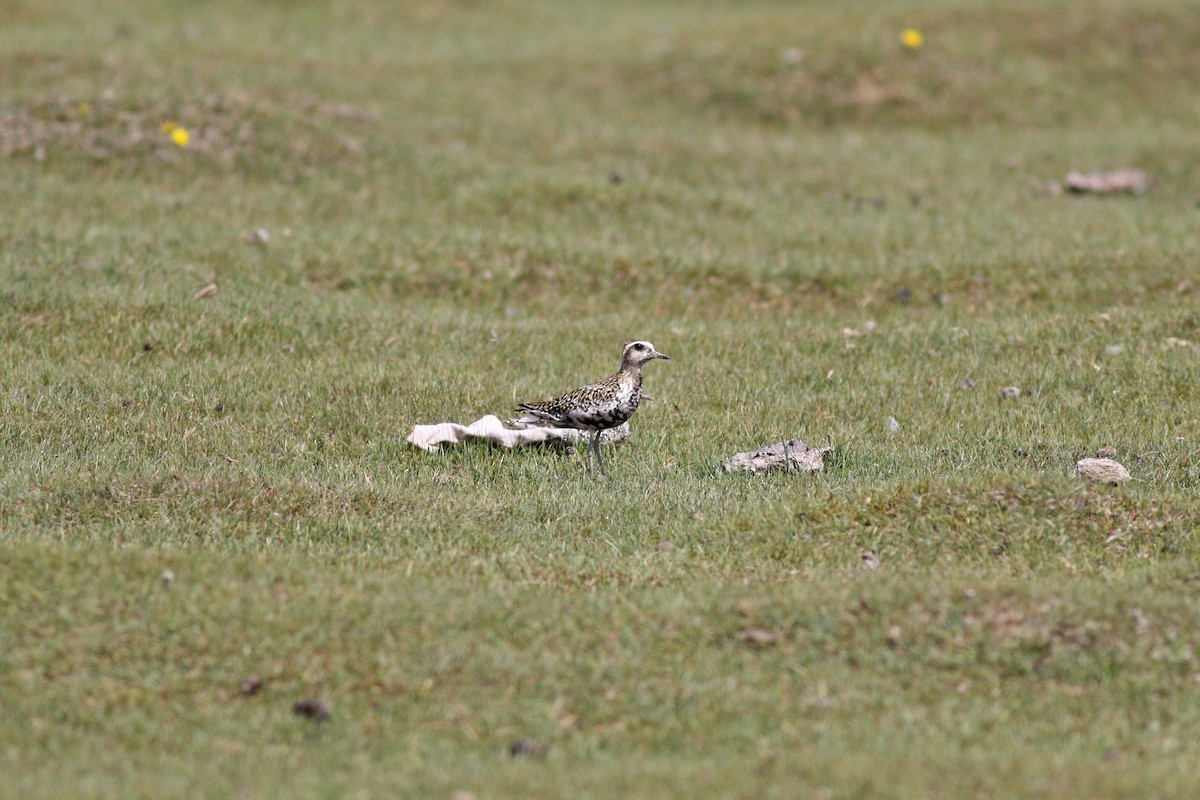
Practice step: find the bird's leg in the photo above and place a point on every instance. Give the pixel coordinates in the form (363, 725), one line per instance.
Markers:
(596, 442)
(588, 455)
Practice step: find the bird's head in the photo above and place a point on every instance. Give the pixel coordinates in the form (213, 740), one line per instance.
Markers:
(638, 352)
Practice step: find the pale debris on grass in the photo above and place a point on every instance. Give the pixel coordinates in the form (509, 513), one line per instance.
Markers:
(759, 637)
(1104, 470)
(258, 236)
(1132, 181)
(792, 454)
(491, 429)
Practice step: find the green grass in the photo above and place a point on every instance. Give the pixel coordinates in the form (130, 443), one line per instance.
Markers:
(822, 229)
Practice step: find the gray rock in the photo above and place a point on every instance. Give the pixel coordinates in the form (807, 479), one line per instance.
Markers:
(790, 455)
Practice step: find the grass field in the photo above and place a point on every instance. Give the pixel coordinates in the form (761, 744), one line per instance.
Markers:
(471, 204)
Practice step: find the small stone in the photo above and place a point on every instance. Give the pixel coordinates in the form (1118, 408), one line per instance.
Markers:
(1102, 470)
(168, 578)
(789, 455)
(869, 561)
(892, 425)
(1114, 349)
(1107, 452)
(759, 637)
(1010, 392)
(258, 236)
(792, 55)
(966, 385)
(527, 748)
(251, 685)
(312, 709)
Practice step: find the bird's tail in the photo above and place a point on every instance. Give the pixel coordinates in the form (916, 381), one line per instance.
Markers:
(532, 414)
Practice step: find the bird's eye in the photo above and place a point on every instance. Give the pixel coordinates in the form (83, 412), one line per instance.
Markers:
(639, 346)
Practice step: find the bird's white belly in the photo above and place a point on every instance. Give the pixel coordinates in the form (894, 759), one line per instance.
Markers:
(606, 414)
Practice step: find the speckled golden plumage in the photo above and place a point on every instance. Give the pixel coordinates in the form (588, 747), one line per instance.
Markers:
(601, 405)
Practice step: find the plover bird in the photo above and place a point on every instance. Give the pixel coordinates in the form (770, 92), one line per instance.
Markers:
(597, 406)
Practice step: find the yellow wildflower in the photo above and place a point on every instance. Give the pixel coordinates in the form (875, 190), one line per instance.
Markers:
(169, 127)
(912, 38)
(84, 109)
(180, 137)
